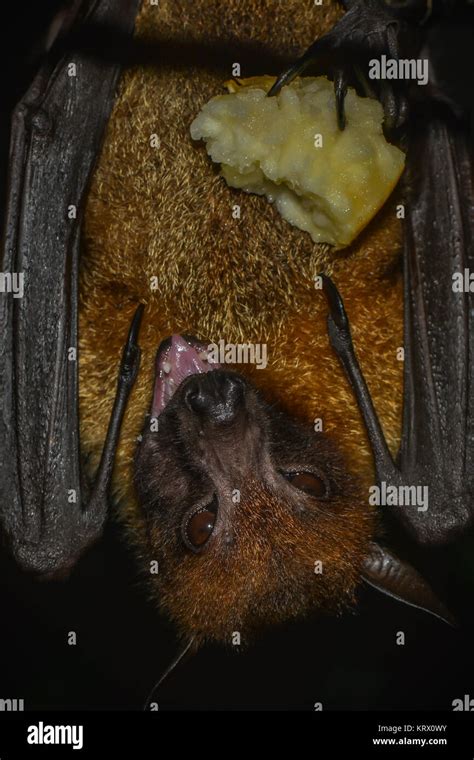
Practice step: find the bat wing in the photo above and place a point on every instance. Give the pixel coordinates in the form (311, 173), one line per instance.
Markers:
(437, 449)
(434, 476)
(57, 131)
(437, 446)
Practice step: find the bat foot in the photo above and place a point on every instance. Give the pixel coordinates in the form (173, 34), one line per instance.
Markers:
(367, 31)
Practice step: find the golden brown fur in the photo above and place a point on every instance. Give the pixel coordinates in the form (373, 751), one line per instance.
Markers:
(166, 213)
(267, 581)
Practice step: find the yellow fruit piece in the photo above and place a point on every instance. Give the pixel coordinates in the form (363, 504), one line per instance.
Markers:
(263, 82)
(289, 148)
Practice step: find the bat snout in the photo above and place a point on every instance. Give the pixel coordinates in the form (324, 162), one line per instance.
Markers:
(216, 397)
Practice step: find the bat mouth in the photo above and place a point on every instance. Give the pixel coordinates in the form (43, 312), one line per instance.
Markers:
(178, 357)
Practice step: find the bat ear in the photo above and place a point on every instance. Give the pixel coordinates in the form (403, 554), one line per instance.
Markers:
(387, 573)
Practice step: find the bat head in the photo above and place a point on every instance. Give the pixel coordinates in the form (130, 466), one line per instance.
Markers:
(251, 515)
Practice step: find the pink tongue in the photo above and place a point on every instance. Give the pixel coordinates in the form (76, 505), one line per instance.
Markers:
(184, 361)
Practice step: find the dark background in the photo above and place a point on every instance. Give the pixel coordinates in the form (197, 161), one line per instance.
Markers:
(123, 645)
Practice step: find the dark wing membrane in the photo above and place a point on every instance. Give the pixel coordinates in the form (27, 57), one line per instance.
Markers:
(57, 131)
(437, 448)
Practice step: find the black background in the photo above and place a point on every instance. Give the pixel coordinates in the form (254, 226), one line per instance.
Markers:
(123, 646)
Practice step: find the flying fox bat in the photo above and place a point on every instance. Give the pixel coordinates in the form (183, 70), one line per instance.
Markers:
(241, 502)
(289, 480)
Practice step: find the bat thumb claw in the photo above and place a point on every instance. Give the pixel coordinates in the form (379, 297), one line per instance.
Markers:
(131, 352)
(135, 326)
(335, 302)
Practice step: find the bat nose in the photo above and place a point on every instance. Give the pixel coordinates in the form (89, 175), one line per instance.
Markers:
(216, 396)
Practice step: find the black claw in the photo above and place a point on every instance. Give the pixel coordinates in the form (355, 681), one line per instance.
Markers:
(135, 327)
(390, 107)
(402, 111)
(336, 304)
(131, 352)
(284, 79)
(301, 65)
(392, 40)
(340, 90)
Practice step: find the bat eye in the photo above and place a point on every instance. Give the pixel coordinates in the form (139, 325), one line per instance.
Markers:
(308, 482)
(198, 526)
